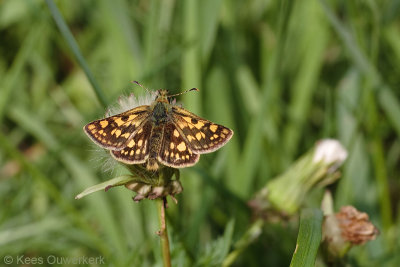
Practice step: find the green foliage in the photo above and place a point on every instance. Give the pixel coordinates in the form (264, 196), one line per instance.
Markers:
(281, 74)
(216, 251)
(310, 233)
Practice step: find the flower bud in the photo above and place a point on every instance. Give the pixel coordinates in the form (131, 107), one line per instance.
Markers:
(285, 194)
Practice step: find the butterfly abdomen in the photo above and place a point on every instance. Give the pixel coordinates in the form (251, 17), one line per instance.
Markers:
(154, 147)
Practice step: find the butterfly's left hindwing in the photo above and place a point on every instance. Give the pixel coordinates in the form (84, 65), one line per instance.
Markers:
(137, 148)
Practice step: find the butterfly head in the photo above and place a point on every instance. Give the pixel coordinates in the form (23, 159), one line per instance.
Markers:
(162, 96)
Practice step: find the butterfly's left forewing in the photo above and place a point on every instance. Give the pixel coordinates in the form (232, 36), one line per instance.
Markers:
(114, 132)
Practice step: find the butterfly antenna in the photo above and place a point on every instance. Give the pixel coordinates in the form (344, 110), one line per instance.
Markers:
(193, 89)
(138, 83)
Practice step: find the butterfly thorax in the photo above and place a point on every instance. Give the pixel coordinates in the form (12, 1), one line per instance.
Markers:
(160, 108)
(159, 115)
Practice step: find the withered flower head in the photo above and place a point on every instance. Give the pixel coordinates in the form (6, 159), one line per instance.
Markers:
(355, 226)
(344, 229)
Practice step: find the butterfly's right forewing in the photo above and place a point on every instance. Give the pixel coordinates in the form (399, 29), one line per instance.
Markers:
(202, 135)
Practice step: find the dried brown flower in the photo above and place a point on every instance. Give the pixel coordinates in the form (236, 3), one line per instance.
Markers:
(152, 192)
(355, 226)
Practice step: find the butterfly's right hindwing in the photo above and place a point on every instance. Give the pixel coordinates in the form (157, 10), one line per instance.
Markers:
(175, 151)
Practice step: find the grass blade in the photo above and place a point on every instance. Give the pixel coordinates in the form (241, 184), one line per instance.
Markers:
(308, 239)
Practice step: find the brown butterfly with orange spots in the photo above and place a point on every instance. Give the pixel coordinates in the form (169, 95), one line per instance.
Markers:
(158, 133)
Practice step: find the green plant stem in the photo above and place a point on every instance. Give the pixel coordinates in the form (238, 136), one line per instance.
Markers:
(244, 242)
(163, 233)
(66, 33)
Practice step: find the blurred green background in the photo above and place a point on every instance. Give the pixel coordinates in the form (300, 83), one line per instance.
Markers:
(281, 74)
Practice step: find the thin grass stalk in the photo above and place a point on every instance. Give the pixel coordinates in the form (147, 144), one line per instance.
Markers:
(66, 33)
(163, 233)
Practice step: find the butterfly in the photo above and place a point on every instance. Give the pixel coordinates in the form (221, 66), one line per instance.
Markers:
(159, 133)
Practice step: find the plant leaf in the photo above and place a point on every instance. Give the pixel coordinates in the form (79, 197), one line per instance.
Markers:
(117, 181)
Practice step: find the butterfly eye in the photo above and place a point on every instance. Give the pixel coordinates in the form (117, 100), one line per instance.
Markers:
(158, 94)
